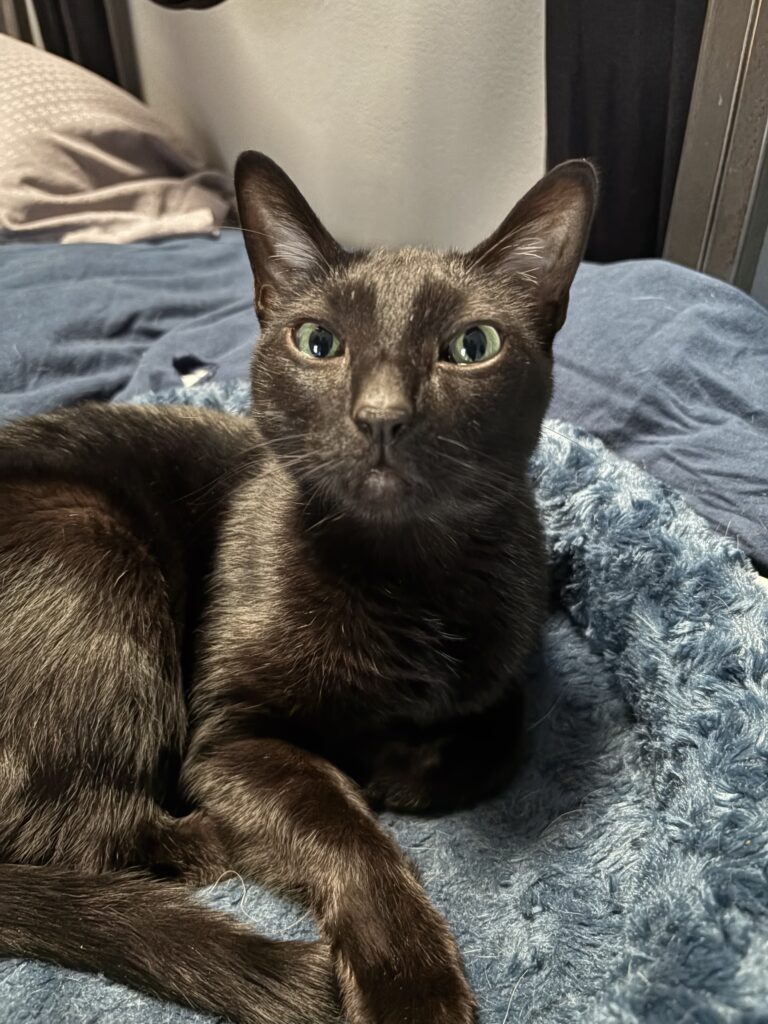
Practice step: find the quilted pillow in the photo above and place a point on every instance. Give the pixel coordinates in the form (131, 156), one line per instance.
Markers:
(84, 161)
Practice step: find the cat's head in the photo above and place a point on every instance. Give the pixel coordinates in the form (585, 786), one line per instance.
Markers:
(407, 384)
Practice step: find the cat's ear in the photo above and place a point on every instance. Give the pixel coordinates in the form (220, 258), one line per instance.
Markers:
(283, 237)
(540, 244)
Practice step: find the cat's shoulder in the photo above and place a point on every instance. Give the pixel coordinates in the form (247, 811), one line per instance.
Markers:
(144, 453)
(96, 426)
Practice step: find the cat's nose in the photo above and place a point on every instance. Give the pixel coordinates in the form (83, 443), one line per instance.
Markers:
(382, 423)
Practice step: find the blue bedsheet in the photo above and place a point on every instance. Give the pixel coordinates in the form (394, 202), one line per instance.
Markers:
(667, 366)
(108, 321)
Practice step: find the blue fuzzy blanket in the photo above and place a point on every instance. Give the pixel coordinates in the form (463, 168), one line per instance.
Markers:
(622, 878)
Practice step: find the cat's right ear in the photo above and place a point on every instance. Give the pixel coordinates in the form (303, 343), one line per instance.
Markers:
(283, 237)
(541, 242)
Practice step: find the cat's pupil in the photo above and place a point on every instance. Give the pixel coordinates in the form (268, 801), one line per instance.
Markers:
(320, 342)
(474, 344)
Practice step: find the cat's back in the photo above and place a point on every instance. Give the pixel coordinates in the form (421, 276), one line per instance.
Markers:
(170, 449)
(170, 468)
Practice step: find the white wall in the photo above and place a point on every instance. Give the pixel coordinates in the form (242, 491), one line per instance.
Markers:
(402, 121)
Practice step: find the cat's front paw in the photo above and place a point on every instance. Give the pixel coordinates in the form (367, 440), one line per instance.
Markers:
(426, 998)
(402, 968)
(465, 761)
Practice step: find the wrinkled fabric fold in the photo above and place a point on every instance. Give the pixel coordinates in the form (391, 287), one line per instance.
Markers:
(84, 161)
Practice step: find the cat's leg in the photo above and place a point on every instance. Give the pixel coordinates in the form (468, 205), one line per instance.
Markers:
(154, 936)
(93, 712)
(187, 849)
(91, 709)
(296, 823)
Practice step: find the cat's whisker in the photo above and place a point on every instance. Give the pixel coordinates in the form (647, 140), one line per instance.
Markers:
(210, 485)
(452, 440)
(482, 458)
(571, 440)
(257, 447)
(332, 517)
(494, 483)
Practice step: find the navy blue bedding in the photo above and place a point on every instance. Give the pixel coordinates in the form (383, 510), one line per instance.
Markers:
(667, 366)
(108, 321)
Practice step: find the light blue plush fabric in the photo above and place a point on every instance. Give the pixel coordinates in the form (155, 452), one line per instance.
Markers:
(622, 877)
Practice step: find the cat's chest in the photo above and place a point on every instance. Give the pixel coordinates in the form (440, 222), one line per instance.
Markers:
(300, 640)
(300, 629)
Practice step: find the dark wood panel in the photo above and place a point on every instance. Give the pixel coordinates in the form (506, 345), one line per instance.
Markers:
(718, 208)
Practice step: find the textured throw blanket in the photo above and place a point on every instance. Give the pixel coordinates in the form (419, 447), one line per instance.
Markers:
(622, 877)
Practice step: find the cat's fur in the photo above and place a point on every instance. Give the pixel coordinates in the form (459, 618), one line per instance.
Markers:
(210, 626)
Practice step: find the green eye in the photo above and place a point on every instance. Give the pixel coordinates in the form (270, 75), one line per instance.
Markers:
(316, 341)
(475, 345)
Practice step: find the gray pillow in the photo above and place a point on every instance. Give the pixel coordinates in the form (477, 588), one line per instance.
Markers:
(83, 161)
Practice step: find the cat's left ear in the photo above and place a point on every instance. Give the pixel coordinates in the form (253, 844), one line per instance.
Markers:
(283, 236)
(540, 244)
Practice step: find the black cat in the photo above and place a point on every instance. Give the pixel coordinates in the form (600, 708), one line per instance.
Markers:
(220, 635)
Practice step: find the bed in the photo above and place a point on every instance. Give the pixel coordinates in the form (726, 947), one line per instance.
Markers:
(622, 876)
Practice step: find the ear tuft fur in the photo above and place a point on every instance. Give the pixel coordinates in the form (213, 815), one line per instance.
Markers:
(283, 236)
(542, 240)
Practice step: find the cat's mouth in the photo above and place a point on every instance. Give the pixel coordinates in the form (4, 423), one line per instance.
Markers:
(383, 483)
(379, 487)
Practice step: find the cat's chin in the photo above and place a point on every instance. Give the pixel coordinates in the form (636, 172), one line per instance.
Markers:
(383, 484)
(383, 494)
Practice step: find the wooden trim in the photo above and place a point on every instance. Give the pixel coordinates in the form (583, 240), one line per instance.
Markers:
(741, 171)
(717, 195)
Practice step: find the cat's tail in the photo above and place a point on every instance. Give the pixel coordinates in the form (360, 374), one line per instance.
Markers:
(154, 936)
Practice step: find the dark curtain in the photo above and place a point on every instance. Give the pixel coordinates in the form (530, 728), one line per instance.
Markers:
(79, 31)
(82, 31)
(619, 80)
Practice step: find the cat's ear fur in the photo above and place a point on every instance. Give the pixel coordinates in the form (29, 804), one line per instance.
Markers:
(540, 244)
(283, 237)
